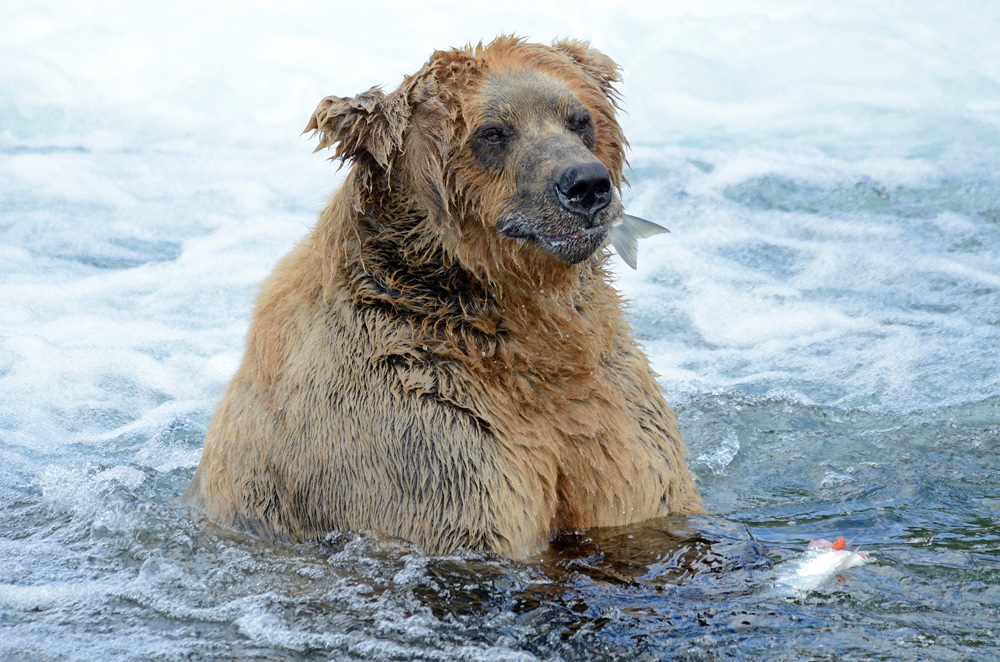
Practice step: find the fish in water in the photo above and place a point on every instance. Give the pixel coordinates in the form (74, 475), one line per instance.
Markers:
(625, 236)
(821, 560)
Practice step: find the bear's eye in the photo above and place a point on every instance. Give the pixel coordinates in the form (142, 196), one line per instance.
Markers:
(494, 136)
(580, 123)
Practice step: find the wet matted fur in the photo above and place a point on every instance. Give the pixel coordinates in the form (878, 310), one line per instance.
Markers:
(442, 359)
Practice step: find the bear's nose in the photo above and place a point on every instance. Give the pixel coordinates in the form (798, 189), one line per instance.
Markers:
(584, 188)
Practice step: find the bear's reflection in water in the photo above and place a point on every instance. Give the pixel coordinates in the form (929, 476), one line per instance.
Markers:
(654, 553)
(640, 568)
(642, 591)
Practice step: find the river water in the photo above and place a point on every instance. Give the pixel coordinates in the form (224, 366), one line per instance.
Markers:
(825, 316)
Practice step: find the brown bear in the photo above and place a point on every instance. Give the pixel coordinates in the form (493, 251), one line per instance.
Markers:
(443, 358)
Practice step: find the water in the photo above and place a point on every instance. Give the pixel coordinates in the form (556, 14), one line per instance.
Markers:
(824, 314)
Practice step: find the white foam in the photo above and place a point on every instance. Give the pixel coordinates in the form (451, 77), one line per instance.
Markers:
(51, 595)
(723, 455)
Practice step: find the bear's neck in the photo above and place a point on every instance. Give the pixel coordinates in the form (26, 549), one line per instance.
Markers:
(557, 329)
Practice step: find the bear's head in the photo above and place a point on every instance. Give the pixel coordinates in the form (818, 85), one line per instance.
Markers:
(509, 155)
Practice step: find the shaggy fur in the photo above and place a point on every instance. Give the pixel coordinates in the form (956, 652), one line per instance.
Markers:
(443, 358)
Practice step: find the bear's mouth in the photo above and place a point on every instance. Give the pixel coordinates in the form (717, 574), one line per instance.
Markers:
(570, 247)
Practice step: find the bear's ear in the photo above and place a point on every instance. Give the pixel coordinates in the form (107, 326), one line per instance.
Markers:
(596, 64)
(366, 129)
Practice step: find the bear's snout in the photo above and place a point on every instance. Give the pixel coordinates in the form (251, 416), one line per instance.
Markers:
(584, 189)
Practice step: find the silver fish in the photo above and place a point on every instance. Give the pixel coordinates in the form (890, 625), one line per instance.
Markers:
(625, 236)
